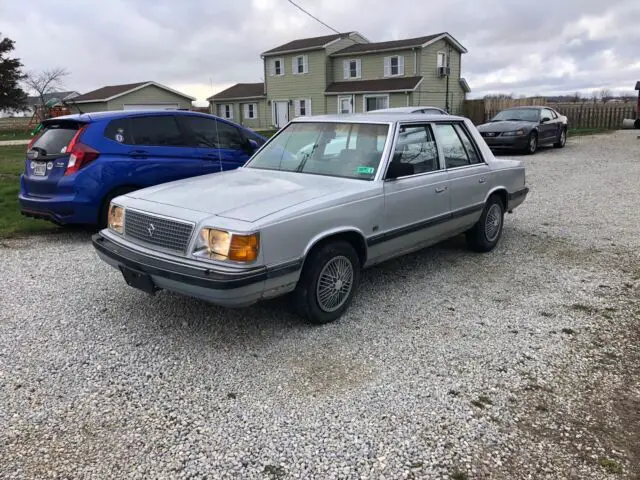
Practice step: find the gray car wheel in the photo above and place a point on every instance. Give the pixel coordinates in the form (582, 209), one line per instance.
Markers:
(562, 139)
(486, 233)
(532, 143)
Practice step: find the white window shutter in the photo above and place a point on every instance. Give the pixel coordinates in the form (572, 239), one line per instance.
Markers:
(245, 112)
(231, 110)
(305, 60)
(401, 65)
(358, 71)
(272, 68)
(294, 65)
(308, 106)
(345, 68)
(296, 103)
(387, 66)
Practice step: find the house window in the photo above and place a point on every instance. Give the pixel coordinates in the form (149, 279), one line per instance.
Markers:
(225, 111)
(394, 66)
(303, 107)
(300, 65)
(250, 111)
(375, 102)
(277, 67)
(442, 59)
(351, 68)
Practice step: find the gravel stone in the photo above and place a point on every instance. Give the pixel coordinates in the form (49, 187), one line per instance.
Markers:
(98, 380)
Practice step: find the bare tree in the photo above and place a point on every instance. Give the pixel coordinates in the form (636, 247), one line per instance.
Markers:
(44, 83)
(575, 98)
(606, 95)
(595, 96)
(628, 96)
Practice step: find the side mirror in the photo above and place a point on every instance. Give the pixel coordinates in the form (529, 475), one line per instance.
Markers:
(397, 170)
(252, 145)
(545, 120)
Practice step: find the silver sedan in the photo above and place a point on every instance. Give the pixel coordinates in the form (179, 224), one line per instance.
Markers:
(322, 199)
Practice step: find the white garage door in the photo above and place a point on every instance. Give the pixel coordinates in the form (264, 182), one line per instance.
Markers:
(150, 106)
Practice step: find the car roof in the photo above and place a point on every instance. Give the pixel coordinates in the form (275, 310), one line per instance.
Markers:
(385, 117)
(114, 114)
(527, 107)
(404, 109)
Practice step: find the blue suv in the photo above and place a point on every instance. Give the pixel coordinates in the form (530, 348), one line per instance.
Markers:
(78, 163)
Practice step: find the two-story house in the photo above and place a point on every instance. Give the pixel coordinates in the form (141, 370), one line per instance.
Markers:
(346, 73)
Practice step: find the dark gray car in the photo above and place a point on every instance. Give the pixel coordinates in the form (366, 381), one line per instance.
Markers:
(525, 128)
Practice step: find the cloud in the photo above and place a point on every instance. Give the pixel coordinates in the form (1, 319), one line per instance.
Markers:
(201, 46)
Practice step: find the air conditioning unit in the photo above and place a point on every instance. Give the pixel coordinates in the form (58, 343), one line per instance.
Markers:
(444, 71)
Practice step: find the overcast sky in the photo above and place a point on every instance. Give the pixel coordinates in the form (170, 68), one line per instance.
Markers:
(202, 46)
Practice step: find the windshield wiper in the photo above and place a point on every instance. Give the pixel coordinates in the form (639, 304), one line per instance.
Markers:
(305, 157)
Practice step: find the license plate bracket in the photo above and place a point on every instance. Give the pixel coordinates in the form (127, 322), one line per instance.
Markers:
(40, 169)
(139, 280)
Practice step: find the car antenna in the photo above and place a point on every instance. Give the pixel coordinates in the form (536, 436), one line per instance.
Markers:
(218, 146)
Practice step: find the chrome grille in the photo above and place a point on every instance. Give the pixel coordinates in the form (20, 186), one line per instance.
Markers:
(163, 232)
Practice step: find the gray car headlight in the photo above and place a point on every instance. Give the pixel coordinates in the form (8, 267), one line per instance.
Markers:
(515, 133)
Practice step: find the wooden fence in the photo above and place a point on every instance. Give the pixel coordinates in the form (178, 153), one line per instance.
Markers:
(14, 124)
(606, 116)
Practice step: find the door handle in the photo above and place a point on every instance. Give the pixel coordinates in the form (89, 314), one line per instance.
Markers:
(440, 189)
(138, 153)
(482, 180)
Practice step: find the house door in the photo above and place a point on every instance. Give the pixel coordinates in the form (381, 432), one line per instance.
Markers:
(282, 113)
(345, 105)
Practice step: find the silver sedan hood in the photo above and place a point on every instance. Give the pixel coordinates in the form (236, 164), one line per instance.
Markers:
(243, 194)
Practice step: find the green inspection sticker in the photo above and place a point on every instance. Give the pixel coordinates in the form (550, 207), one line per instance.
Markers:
(366, 170)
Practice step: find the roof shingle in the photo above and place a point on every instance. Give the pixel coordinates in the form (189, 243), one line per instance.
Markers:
(380, 85)
(390, 45)
(107, 92)
(306, 43)
(240, 90)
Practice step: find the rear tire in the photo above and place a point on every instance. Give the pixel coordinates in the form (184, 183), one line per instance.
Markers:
(486, 233)
(104, 207)
(562, 138)
(532, 143)
(328, 282)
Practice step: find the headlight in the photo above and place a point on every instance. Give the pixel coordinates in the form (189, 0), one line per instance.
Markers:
(116, 218)
(222, 245)
(513, 134)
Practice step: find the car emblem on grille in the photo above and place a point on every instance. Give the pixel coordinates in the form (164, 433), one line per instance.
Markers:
(151, 229)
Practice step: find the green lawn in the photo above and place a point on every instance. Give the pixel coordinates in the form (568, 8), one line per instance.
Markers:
(572, 132)
(12, 222)
(15, 135)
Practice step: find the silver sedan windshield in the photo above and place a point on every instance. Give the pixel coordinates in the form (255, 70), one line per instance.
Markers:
(349, 150)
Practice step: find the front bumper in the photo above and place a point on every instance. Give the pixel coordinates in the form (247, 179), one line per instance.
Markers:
(230, 287)
(519, 142)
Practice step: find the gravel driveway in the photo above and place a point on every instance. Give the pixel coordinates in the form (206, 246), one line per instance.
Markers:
(521, 363)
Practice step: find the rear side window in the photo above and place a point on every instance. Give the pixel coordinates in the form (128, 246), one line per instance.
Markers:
(120, 131)
(202, 130)
(157, 130)
(472, 152)
(229, 136)
(54, 138)
(453, 147)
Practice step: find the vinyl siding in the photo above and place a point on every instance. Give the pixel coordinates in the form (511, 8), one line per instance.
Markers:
(372, 65)
(263, 120)
(150, 94)
(432, 90)
(91, 107)
(310, 85)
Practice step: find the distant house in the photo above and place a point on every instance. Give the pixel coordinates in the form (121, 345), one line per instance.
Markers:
(132, 96)
(346, 73)
(52, 99)
(244, 103)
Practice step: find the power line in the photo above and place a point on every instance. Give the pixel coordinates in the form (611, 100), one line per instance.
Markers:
(315, 18)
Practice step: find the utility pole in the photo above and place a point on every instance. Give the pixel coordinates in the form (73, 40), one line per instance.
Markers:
(447, 69)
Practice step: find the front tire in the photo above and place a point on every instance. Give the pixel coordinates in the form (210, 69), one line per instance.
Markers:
(532, 143)
(328, 282)
(486, 233)
(562, 138)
